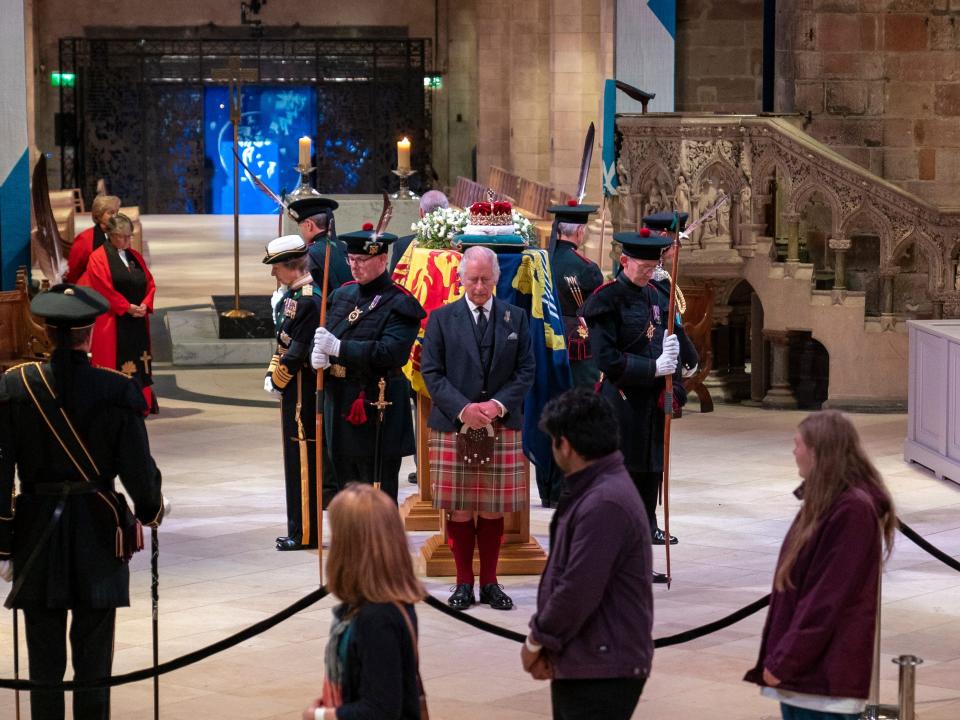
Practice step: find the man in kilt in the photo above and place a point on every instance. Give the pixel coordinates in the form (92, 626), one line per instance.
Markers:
(478, 365)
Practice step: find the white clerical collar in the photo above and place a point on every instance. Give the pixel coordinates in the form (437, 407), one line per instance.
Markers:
(487, 306)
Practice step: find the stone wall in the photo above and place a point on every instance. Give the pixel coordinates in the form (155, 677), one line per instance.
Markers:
(719, 62)
(879, 81)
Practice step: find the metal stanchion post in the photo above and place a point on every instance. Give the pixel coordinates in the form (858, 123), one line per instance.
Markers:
(906, 695)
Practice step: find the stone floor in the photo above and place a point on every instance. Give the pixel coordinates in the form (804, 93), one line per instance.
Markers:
(216, 440)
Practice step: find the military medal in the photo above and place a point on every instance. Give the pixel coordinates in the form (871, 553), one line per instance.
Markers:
(284, 338)
(354, 315)
(656, 314)
(650, 331)
(290, 308)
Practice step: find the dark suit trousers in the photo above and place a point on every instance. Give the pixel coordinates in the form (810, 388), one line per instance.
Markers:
(607, 698)
(361, 469)
(648, 485)
(91, 643)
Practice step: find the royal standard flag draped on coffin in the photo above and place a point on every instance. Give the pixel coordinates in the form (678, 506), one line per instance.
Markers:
(525, 281)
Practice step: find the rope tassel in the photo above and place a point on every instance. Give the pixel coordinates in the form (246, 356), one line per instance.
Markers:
(358, 410)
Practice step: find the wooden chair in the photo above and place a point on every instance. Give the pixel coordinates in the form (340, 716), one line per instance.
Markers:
(698, 324)
(22, 338)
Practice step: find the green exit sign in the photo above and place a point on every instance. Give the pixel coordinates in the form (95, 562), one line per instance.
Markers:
(433, 82)
(63, 79)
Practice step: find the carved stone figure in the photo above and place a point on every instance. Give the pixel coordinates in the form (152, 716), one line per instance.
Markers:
(681, 196)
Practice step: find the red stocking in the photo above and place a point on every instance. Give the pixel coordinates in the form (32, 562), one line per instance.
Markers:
(461, 536)
(489, 533)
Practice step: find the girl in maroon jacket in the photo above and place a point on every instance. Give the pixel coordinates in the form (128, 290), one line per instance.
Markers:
(816, 652)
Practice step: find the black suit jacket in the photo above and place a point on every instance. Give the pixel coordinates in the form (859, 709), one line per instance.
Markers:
(452, 370)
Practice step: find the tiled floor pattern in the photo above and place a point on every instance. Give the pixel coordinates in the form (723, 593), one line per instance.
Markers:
(731, 505)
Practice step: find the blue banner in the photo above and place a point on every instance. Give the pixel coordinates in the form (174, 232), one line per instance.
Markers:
(609, 140)
(526, 281)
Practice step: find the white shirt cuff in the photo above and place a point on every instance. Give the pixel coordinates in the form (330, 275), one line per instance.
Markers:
(460, 415)
(532, 645)
(503, 410)
(318, 713)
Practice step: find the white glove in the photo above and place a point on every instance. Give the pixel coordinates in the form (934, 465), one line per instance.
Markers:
(268, 386)
(167, 506)
(277, 296)
(6, 570)
(690, 372)
(667, 362)
(319, 360)
(326, 343)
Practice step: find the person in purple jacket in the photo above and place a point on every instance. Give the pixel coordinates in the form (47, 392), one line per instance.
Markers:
(591, 634)
(816, 651)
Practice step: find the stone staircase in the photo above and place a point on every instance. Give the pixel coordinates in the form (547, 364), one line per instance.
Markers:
(812, 251)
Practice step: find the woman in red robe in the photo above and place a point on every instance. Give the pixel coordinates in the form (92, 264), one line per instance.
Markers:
(121, 336)
(104, 207)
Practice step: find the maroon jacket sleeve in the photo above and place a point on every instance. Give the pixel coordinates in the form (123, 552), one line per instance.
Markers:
(846, 556)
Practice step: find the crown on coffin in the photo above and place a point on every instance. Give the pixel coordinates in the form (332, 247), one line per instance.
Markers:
(491, 213)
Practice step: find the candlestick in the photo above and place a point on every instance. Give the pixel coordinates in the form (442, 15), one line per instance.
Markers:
(305, 151)
(403, 154)
(404, 192)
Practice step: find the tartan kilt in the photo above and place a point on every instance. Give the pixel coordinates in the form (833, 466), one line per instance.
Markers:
(500, 486)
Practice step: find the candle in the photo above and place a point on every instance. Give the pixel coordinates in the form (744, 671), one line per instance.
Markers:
(304, 152)
(403, 154)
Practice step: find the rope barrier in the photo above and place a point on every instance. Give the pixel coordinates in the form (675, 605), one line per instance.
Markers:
(939, 554)
(317, 595)
(685, 636)
(177, 663)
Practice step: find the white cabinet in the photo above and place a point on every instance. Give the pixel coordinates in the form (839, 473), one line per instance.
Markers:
(933, 429)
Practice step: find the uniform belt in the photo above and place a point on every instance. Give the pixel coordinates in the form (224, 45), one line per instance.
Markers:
(76, 487)
(342, 372)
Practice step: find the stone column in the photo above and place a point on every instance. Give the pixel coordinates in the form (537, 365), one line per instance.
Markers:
(779, 396)
(758, 363)
(792, 222)
(887, 320)
(839, 246)
(938, 309)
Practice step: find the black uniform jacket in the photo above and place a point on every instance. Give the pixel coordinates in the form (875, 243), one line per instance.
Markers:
(626, 334)
(339, 270)
(296, 317)
(78, 566)
(575, 277)
(375, 345)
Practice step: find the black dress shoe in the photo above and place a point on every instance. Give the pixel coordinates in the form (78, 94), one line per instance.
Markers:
(659, 578)
(659, 537)
(289, 543)
(412, 478)
(494, 596)
(462, 597)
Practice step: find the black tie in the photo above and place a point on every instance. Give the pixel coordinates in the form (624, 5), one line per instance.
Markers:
(481, 321)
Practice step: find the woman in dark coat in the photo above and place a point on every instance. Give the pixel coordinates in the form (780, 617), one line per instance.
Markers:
(371, 658)
(816, 652)
(121, 336)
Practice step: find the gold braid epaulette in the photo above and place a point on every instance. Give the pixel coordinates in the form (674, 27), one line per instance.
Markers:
(20, 365)
(115, 372)
(681, 301)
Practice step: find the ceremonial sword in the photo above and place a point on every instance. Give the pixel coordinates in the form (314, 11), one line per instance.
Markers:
(381, 405)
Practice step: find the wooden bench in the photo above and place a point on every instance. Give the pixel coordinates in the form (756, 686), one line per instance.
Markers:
(533, 197)
(22, 337)
(503, 182)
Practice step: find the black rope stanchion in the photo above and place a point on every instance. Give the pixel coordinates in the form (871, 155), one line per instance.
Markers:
(177, 663)
(939, 554)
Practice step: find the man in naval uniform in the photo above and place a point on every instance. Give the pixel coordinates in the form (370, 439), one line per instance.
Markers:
(634, 353)
(290, 376)
(315, 223)
(370, 327)
(62, 540)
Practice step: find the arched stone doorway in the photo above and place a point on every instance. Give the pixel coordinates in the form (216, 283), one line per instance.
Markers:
(739, 371)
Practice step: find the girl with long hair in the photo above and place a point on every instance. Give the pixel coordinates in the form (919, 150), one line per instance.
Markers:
(371, 658)
(816, 651)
